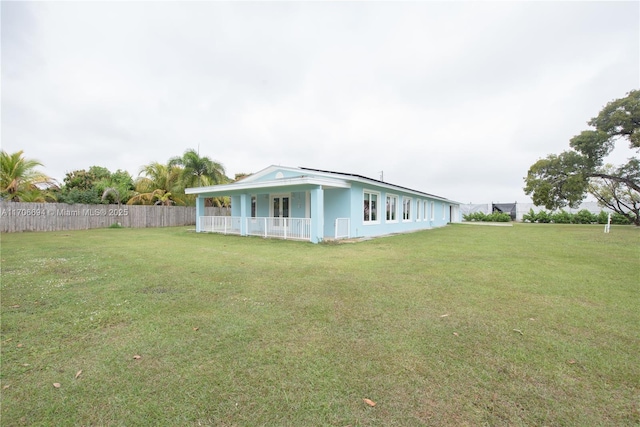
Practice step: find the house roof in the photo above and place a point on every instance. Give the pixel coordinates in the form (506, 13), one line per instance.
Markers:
(251, 183)
(361, 178)
(326, 178)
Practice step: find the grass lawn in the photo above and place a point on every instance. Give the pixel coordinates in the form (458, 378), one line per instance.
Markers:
(465, 325)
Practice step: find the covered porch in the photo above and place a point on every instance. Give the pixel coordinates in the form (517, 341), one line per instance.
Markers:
(268, 227)
(283, 208)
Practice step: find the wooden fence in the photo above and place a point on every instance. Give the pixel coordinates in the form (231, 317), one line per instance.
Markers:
(16, 217)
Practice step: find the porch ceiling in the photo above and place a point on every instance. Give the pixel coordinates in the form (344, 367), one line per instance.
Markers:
(297, 183)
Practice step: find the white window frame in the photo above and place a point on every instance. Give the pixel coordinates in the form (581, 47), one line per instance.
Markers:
(366, 192)
(396, 207)
(406, 203)
(433, 211)
(280, 196)
(418, 205)
(425, 213)
(253, 207)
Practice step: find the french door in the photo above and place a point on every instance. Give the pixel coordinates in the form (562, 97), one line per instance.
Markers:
(279, 209)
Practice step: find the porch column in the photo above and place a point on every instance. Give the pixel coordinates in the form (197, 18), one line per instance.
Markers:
(199, 211)
(317, 214)
(243, 214)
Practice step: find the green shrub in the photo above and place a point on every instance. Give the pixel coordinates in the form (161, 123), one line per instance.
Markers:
(561, 217)
(616, 218)
(482, 217)
(475, 216)
(603, 217)
(584, 217)
(619, 219)
(543, 217)
(499, 217)
(529, 216)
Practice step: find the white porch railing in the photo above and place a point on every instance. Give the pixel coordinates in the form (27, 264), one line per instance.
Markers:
(281, 228)
(221, 224)
(342, 228)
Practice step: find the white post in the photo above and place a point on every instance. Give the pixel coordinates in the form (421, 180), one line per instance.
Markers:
(608, 226)
(244, 201)
(199, 212)
(317, 214)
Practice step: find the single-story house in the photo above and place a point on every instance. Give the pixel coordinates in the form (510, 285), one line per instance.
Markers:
(316, 205)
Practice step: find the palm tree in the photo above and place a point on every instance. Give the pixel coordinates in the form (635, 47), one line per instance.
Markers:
(156, 197)
(111, 191)
(159, 185)
(199, 171)
(19, 181)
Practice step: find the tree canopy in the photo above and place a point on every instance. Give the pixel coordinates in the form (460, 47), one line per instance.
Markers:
(96, 185)
(199, 171)
(158, 184)
(20, 181)
(564, 179)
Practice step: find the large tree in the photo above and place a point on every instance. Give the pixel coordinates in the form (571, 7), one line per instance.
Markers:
(89, 186)
(198, 171)
(565, 179)
(19, 179)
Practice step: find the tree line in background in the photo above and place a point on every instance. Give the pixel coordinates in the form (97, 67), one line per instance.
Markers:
(554, 182)
(564, 179)
(157, 183)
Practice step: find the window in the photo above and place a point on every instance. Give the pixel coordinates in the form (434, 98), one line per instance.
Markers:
(370, 207)
(433, 210)
(425, 211)
(253, 206)
(418, 203)
(406, 209)
(392, 208)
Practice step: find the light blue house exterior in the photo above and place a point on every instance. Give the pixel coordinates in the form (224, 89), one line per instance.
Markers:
(316, 205)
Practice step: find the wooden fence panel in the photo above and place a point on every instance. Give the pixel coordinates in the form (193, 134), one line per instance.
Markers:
(16, 216)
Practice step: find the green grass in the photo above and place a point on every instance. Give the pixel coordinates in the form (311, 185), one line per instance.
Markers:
(465, 325)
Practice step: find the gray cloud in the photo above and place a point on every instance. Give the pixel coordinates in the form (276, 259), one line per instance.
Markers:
(456, 99)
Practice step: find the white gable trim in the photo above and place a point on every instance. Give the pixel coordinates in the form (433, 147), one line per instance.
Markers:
(272, 184)
(267, 171)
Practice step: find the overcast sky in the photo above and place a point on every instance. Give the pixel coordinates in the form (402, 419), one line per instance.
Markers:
(456, 99)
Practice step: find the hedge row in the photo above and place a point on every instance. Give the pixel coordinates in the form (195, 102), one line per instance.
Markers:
(582, 217)
(482, 217)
